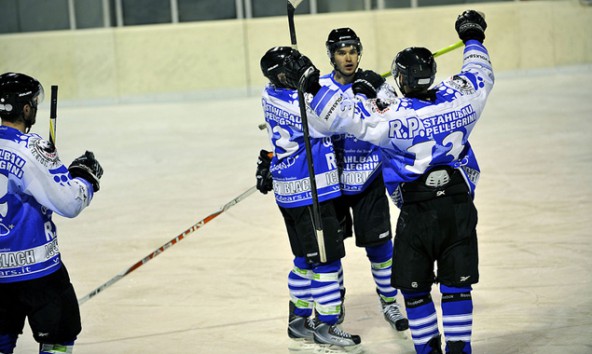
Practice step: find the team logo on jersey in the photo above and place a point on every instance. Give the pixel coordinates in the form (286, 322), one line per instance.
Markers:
(461, 84)
(61, 175)
(44, 152)
(380, 106)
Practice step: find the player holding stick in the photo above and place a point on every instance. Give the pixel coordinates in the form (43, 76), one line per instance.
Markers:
(34, 283)
(313, 283)
(430, 171)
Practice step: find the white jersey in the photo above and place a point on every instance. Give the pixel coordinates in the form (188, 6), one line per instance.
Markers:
(289, 167)
(33, 184)
(359, 161)
(415, 135)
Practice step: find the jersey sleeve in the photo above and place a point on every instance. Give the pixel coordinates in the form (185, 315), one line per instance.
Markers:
(49, 182)
(477, 66)
(374, 120)
(335, 113)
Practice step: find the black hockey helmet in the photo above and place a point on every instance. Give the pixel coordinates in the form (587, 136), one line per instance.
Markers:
(17, 90)
(414, 70)
(272, 63)
(342, 37)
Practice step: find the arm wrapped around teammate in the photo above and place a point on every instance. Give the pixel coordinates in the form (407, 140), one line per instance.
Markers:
(471, 25)
(367, 82)
(88, 168)
(263, 174)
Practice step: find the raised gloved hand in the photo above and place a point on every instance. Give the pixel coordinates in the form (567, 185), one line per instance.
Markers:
(367, 82)
(88, 168)
(301, 74)
(264, 180)
(471, 25)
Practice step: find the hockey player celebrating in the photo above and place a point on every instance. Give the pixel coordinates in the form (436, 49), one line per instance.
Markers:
(364, 202)
(429, 170)
(313, 284)
(34, 283)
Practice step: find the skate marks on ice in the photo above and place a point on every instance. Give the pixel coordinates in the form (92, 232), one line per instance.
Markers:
(308, 347)
(400, 343)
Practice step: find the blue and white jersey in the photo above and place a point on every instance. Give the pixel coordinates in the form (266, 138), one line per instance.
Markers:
(415, 135)
(33, 185)
(358, 160)
(289, 169)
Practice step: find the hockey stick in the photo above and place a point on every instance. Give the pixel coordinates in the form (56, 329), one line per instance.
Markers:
(316, 212)
(172, 242)
(53, 114)
(292, 5)
(437, 53)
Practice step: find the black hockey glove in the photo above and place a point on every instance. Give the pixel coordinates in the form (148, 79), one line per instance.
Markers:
(88, 168)
(301, 74)
(367, 82)
(264, 180)
(471, 25)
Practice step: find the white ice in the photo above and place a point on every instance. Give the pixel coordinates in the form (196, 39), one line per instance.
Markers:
(223, 288)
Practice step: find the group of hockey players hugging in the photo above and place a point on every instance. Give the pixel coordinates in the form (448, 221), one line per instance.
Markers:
(365, 141)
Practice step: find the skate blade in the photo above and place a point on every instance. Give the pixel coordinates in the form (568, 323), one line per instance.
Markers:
(336, 349)
(300, 345)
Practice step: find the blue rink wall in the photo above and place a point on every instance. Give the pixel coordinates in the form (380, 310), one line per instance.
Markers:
(221, 58)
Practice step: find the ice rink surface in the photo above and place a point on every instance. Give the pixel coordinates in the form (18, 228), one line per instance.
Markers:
(223, 289)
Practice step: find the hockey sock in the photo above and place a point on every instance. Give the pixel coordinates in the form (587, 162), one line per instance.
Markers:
(457, 317)
(381, 262)
(299, 282)
(62, 348)
(326, 292)
(341, 282)
(423, 320)
(7, 343)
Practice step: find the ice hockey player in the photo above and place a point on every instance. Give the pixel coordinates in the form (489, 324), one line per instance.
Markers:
(430, 171)
(313, 284)
(34, 282)
(364, 202)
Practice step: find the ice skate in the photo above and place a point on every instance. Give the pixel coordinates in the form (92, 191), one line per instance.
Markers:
(332, 335)
(393, 315)
(456, 347)
(436, 344)
(300, 327)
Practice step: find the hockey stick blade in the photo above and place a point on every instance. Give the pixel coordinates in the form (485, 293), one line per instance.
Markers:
(437, 53)
(169, 244)
(295, 3)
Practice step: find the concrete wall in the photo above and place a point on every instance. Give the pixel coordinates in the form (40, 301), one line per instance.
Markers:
(209, 59)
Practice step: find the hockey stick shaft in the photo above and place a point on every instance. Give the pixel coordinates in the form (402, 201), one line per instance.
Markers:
(53, 110)
(437, 53)
(448, 49)
(167, 245)
(292, 5)
(316, 211)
